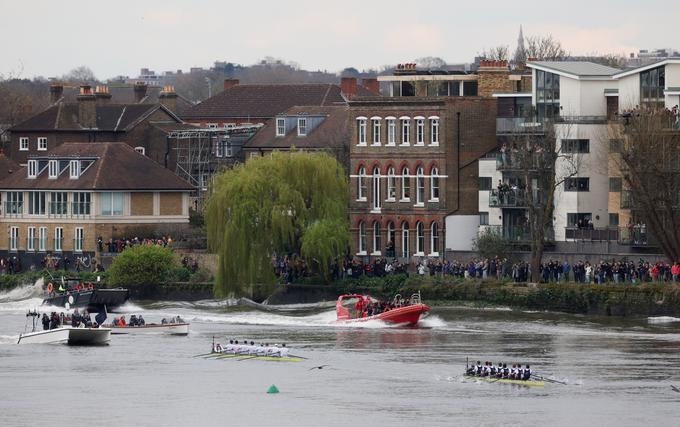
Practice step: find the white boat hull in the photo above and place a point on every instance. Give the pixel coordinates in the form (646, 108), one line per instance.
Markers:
(50, 336)
(68, 335)
(153, 328)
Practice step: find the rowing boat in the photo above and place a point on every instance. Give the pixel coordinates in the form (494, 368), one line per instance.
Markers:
(265, 358)
(528, 383)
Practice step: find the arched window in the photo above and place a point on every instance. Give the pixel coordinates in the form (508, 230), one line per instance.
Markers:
(361, 184)
(404, 240)
(434, 185)
(391, 185)
(420, 239)
(391, 240)
(405, 184)
(376, 188)
(434, 239)
(376, 130)
(362, 237)
(376, 238)
(361, 130)
(420, 186)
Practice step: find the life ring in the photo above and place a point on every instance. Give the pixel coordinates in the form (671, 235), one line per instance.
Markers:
(50, 287)
(90, 286)
(79, 287)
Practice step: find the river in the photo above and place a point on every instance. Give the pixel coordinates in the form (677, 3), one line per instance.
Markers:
(618, 370)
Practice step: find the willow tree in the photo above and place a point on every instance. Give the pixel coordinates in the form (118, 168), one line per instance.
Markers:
(293, 202)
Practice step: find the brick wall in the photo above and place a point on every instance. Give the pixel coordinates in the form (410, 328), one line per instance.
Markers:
(171, 203)
(141, 204)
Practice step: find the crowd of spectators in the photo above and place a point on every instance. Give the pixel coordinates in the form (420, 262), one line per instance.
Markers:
(118, 245)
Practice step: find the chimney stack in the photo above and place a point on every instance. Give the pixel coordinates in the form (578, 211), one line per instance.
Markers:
(348, 86)
(102, 95)
(87, 107)
(229, 83)
(371, 84)
(168, 98)
(140, 91)
(56, 92)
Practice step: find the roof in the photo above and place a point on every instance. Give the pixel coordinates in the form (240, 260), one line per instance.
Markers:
(332, 133)
(266, 101)
(630, 72)
(579, 70)
(110, 117)
(125, 94)
(7, 166)
(117, 167)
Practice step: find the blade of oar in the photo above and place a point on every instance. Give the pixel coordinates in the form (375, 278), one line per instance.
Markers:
(299, 357)
(674, 388)
(204, 355)
(246, 358)
(540, 377)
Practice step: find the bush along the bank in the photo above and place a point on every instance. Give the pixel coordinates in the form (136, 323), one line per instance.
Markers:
(140, 267)
(609, 299)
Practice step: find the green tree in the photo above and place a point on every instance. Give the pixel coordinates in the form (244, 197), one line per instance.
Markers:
(140, 266)
(294, 202)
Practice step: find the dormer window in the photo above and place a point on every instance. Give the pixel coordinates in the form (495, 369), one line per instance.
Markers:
(32, 168)
(280, 127)
(140, 150)
(302, 127)
(42, 143)
(53, 169)
(75, 169)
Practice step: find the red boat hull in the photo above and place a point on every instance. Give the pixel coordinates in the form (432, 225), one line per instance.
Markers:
(409, 315)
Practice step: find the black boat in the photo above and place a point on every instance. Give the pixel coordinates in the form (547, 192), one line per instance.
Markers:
(81, 295)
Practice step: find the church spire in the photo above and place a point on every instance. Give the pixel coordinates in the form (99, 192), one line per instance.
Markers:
(520, 52)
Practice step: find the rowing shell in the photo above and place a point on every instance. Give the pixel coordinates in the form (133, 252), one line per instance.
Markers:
(527, 383)
(265, 358)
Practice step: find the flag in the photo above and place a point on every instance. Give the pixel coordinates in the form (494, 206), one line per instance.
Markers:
(100, 318)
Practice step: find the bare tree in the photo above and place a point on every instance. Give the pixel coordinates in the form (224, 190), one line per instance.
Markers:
(650, 166)
(545, 48)
(79, 75)
(430, 62)
(496, 53)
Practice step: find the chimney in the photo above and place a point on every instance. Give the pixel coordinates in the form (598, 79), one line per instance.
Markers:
(102, 95)
(494, 77)
(168, 97)
(87, 107)
(348, 86)
(140, 91)
(56, 92)
(371, 85)
(229, 83)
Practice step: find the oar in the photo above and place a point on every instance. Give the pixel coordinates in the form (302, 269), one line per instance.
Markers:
(675, 389)
(299, 357)
(246, 358)
(549, 380)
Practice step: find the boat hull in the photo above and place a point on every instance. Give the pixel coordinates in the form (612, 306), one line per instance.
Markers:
(93, 300)
(50, 336)
(528, 383)
(153, 328)
(264, 358)
(409, 315)
(68, 335)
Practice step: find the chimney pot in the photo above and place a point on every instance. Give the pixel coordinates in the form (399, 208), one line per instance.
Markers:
(371, 84)
(56, 92)
(230, 83)
(140, 91)
(348, 86)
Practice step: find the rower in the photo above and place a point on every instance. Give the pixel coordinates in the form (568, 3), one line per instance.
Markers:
(520, 372)
(499, 370)
(487, 369)
(506, 371)
(527, 373)
(284, 350)
(492, 370)
(513, 371)
(478, 369)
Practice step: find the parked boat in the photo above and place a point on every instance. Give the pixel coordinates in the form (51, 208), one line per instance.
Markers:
(151, 328)
(64, 334)
(81, 295)
(527, 383)
(351, 308)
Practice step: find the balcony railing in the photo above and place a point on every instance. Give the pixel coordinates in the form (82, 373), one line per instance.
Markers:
(516, 234)
(592, 234)
(513, 125)
(13, 209)
(584, 120)
(511, 160)
(514, 198)
(636, 235)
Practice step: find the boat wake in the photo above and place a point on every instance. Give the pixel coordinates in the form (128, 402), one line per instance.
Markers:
(24, 292)
(663, 319)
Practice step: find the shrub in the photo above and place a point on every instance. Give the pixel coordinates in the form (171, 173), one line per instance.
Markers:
(141, 265)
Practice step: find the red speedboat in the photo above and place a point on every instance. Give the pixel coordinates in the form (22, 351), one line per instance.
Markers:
(355, 308)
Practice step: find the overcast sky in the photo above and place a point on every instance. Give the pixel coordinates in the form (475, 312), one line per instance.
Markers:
(118, 37)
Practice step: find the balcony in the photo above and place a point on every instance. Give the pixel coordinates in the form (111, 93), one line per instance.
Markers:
(517, 125)
(516, 234)
(514, 198)
(636, 236)
(512, 160)
(592, 234)
(582, 120)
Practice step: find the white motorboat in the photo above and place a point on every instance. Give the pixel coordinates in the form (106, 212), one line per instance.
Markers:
(157, 328)
(64, 335)
(49, 336)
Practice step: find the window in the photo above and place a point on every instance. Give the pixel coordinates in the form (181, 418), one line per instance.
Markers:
(141, 150)
(613, 220)
(484, 218)
(391, 184)
(30, 239)
(420, 186)
(580, 220)
(361, 129)
(212, 125)
(420, 131)
(405, 131)
(376, 188)
(577, 184)
(53, 169)
(58, 203)
(391, 239)
(575, 145)
(615, 145)
(362, 237)
(376, 131)
(254, 154)
(434, 185)
(78, 240)
(615, 185)
(470, 88)
(81, 203)
(42, 239)
(404, 240)
(14, 239)
(361, 184)
(434, 239)
(229, 151)
(219, 148)
(229, 125)
(36, 203)
(74, 167)
(405, 185)
(42, 143)
(15, 203)
(434, 131)
(23, 144)
(376, 238)
(420, 239)
(547, 94)
(484, 183)
(58, 239)
(280, 127)
(391, 131)
(112, 204)
(302, 126)
(32, 168)
(652, 85)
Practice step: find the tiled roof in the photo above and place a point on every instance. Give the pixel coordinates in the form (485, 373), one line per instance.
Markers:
(332, 133)
(7, 166)
(577, 68)
(117, 167)
(125, 94)
(266, 101)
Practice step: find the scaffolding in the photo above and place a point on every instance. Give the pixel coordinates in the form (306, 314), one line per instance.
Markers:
(202, 152)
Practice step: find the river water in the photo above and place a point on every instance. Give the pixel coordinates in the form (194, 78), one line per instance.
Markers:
(618, 371)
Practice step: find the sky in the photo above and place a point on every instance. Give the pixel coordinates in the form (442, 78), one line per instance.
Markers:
(48, 38)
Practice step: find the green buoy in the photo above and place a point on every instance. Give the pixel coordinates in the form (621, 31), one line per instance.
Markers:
(272, 389)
